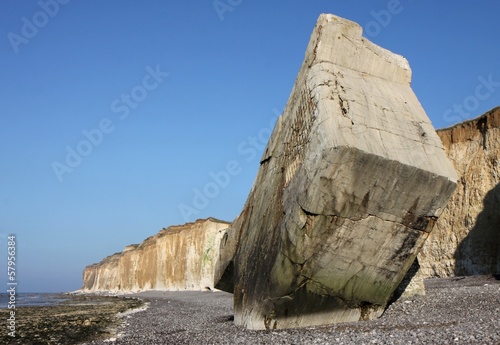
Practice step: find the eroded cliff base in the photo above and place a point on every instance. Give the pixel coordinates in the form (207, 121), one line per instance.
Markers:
(466, 239)
(180, 257)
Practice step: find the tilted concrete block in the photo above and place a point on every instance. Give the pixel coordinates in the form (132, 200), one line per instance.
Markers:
(350, 185)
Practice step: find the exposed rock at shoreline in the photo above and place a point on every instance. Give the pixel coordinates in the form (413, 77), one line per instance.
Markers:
(177, 258)
(80, 318)
(350, 185)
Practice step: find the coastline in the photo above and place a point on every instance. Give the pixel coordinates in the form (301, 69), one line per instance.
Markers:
(79, 318)
(458, 310)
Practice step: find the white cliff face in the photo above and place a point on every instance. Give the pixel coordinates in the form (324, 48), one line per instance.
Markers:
(466, 240)
(177, 258)
(350, 185)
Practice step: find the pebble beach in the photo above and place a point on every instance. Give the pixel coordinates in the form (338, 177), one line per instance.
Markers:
(463, 310)
(460, 310)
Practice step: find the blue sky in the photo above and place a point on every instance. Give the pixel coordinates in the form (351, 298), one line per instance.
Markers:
(123, 117)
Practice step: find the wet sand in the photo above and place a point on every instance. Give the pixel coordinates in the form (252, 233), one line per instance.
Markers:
(78, 319)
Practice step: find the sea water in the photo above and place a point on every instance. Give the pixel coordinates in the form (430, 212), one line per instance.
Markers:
(33, 299)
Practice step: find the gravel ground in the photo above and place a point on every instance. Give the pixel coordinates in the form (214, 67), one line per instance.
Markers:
(454, 311)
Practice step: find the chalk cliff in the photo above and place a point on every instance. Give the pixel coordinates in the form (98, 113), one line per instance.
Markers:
(466, 239)
(350, 185)
(177, 258)
(353, 184)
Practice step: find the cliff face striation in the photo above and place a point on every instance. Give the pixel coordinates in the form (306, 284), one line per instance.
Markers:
(466, 239)
(350, 185)
(177, 258)
(353, 184)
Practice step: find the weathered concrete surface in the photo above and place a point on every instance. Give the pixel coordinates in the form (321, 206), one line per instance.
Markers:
(466, 240)
(177, 258)
(350, 185)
